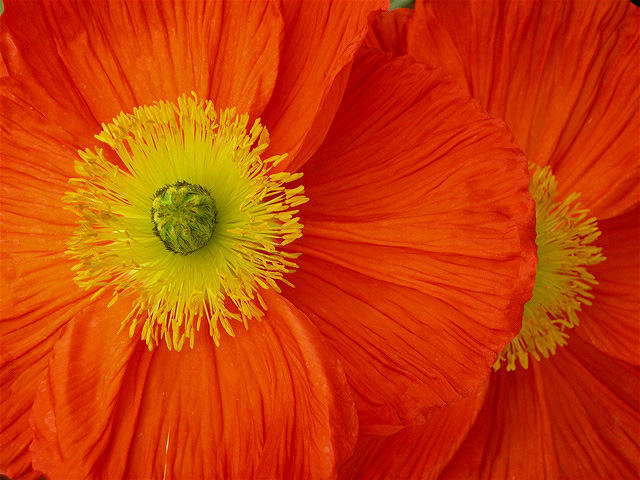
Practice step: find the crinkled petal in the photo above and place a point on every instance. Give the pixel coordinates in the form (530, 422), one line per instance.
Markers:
(573, 415)
(268, 403)
(563, 75)
(95, 59)
(418, 232)
(38, 296)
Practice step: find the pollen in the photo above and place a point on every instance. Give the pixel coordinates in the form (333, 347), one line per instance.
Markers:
(564, 236)
(190, 223)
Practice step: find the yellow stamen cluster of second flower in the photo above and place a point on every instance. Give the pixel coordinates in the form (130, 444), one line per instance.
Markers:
(564, 236)
(174, 155)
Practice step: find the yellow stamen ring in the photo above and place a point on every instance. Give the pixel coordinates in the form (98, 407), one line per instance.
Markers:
(215, 254)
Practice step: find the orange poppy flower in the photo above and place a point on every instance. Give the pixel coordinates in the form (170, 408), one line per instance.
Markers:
(131, 296)
(565, 78)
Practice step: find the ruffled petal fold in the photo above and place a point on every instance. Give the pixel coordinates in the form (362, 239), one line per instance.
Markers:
(417, 234)
(388, 32)
(268, 403)
(319, 43)
(96, 59)
(429, 42)
(418, 452)
(564, 77)
(573, 415)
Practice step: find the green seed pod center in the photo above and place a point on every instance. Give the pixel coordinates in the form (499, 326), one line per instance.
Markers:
(184, 217)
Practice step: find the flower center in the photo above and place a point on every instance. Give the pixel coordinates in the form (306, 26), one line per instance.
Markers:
(564, 237)
(214, 257)
(184, 216)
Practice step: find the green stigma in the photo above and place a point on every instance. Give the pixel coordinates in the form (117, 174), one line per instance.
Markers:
(184, 217)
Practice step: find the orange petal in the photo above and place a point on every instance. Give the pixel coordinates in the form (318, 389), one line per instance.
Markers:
(604, 407)
(269, 403)
(99, 58)
(611, 323)
(429, 42)
(571, 416)
(45, 90)
(320, 40)
(418, 226)
(388, 32)
(419, 452)
(38, 294)
(573, 108)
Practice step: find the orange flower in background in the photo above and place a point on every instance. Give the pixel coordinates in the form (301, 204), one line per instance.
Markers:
(564, 400)
(132, 345)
